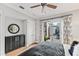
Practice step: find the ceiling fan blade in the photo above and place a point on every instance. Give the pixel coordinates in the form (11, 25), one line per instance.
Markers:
(35, 6)
(51, 6)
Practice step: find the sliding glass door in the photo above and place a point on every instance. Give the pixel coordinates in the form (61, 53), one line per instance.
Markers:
(52, 29)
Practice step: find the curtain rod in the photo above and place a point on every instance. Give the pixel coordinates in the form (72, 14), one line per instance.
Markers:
(56, 17)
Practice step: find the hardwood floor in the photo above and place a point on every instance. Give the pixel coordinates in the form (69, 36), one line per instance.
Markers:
(20, 50)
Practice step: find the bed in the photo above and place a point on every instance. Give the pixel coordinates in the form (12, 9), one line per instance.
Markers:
(47, 48)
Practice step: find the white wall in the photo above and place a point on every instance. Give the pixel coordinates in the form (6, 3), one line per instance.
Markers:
(9, 21)
(30, 31)
(75, 25)
(0, 35)
(12, 16)
(2, 32)
(37, 31)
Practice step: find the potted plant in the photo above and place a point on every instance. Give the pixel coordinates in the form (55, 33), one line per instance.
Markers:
(46, 38)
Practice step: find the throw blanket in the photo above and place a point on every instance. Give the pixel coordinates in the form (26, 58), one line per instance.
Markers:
(47, 48)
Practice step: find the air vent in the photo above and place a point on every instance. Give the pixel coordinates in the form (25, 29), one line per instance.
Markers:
(21, 7)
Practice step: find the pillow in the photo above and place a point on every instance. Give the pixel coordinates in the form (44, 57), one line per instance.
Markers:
(71, 50)
(76, 50)
(74, 43)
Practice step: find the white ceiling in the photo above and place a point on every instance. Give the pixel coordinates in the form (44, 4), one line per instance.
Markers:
(37, 13)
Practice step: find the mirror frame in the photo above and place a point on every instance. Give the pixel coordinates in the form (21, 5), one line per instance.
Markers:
(14, 25)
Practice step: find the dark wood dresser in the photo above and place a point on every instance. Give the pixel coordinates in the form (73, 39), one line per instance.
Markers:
(14, 42)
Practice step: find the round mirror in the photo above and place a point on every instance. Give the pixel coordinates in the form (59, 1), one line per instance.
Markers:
(13, 28)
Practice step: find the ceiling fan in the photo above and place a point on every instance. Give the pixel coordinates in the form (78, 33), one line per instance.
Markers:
(43, 5)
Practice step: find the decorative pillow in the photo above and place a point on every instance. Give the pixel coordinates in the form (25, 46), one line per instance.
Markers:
(74, 43)
(76, 50)
(71, 50)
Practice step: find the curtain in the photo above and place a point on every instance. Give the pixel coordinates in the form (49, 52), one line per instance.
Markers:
(67, 29)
